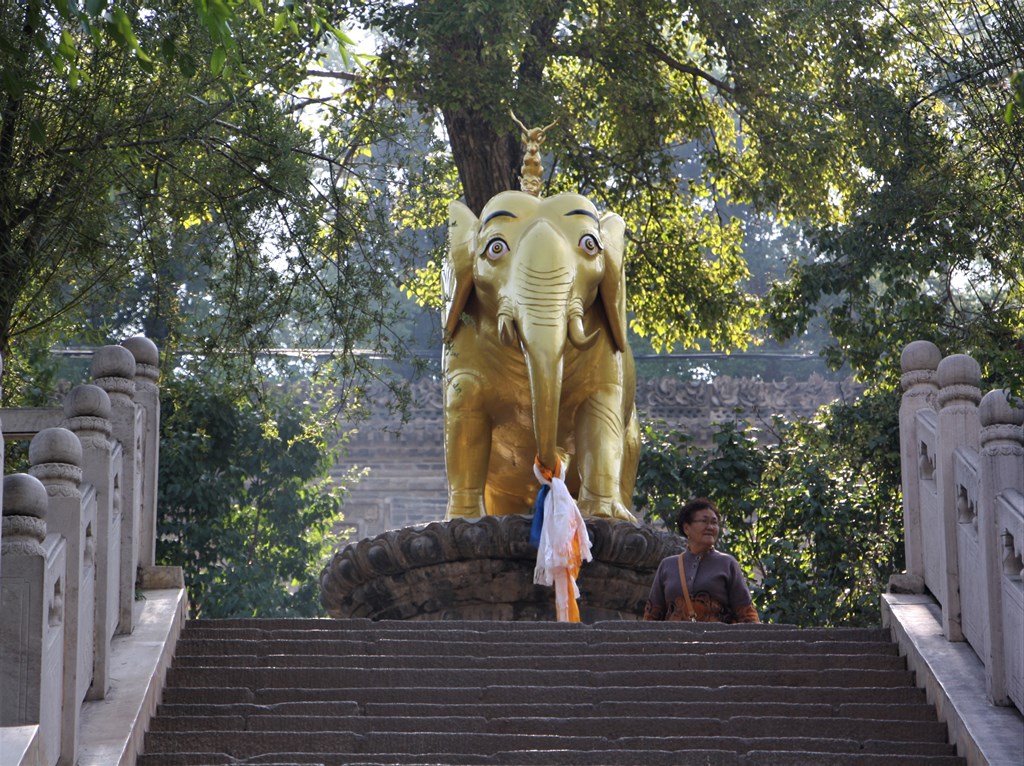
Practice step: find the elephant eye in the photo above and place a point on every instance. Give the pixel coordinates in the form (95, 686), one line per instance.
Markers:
(590, 244)
(495, 248)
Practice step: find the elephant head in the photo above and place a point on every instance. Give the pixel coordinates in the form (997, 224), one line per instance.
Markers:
(547, 273)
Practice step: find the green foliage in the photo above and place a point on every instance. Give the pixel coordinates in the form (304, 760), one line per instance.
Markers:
(931, 246)
(246, 504)
(869, 126)
(1016, 102)
(810, 507)
(61, 36)
(188, 198)
(201, 206)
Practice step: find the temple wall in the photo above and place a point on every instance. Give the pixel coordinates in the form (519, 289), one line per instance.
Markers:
(404, 481)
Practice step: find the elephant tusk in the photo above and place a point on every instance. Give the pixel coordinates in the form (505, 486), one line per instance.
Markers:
(578, 335)
(507, 330)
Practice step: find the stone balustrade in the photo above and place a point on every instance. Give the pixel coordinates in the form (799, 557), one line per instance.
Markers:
(963, 501)
(78, 529)
(34, 583)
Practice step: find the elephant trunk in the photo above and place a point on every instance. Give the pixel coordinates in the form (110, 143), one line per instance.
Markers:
(542, 308)
(543, 334)
(545, 373)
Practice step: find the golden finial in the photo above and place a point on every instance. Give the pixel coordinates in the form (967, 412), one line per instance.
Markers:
(532, 171)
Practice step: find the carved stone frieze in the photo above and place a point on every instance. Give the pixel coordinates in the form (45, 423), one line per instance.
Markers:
(116, 386)
(21, 546)
(959, 392)
(23, 536)
(146, 375)
(916, 378)
(94, 442)
(84, 425)
(57, 472)
(1005, 450)
(483, 569)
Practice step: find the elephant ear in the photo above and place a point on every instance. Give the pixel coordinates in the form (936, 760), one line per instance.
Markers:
(457, 270)
(613, 283)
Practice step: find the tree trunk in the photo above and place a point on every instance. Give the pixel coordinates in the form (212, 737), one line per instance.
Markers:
(488, 163)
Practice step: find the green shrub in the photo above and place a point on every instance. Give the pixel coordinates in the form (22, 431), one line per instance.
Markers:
(811, 507)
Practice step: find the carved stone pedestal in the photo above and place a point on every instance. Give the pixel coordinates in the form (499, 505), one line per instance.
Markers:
(482, 569)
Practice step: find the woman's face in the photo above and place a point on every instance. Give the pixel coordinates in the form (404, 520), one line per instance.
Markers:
(702, 530)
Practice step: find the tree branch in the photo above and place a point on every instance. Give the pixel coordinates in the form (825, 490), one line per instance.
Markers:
(679, 66)
(347, 76)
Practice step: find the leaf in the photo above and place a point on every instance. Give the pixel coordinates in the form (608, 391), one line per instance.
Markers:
(13, 84)
(219, 10)
(37, 132)
(217, 59)
(63, 8)
(168, 49)
(187, 65)
(123, 23)
(66, 47)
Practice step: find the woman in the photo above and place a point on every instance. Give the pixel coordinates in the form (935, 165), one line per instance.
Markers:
(716, 590)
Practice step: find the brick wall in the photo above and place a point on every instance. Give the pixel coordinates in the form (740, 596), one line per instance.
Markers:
(404, 478)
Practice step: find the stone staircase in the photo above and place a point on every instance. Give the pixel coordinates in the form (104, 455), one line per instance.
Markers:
(353, 691)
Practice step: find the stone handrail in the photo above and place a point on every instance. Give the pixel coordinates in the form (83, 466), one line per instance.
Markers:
(962, 458)
(77, 530)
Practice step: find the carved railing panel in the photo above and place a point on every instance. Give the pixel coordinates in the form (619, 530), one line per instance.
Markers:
(1010, 522)
(930, 521)
(963, 478)
(973, 609)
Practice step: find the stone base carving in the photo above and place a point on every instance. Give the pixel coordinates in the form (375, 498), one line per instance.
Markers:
(482, 569)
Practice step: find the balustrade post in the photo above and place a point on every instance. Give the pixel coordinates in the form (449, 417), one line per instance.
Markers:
(1002, 468)
(113, 370)
(87, 414)
(55, 455)
(1, 455)
(32, 602)
(918, 362)
(958, 376)
(147, 396)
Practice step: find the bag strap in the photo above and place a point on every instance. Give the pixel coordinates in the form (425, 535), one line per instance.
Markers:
(691, 614)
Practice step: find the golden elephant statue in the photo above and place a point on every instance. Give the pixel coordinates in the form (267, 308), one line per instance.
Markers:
(536, 362)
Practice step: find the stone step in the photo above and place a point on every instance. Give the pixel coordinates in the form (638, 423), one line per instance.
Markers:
(443, 745)
(441, 677)
(637, 632)
(373, 645)
(333, 692)
(612, 727)
(897, 711)
(503, 630)
(609, 757)
(510, 694)
(565, 663)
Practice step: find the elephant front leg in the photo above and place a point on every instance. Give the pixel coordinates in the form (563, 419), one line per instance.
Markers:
(600, 454)
(467, 446)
